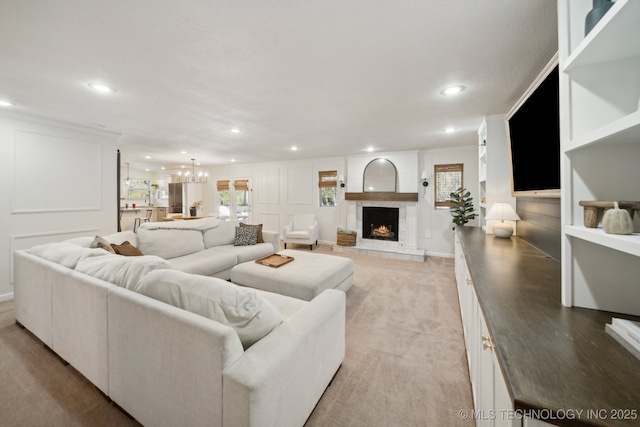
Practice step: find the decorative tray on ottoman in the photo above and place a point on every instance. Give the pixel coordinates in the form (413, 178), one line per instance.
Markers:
(274, 260)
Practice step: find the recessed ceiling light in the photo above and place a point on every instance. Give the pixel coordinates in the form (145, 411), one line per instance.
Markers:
(294, 148)
(4, 103)
(235, 130)
(449, 130)
(233, 160)
(147, 157)
(370, 149)
(146, 170)
(183, 152)
(452, 90)
(163, 168)
(101, 88)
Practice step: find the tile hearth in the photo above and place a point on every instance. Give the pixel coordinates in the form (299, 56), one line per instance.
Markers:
(367, 248)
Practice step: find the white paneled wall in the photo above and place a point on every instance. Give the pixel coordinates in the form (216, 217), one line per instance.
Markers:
(56, 182)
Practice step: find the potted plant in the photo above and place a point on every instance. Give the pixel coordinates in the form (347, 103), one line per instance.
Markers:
(462, 209)
(193, 210)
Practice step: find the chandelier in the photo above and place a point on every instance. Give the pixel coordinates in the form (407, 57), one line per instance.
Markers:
(192, 176)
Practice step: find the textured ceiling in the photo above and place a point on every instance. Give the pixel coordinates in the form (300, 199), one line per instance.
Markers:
(331, 77)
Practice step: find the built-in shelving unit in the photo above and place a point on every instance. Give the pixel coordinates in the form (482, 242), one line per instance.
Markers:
(600, 132)
(494, 180)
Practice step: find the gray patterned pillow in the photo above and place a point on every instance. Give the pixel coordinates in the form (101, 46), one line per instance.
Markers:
(246, 236)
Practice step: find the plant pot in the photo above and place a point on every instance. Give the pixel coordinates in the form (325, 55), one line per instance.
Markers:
(193, 211)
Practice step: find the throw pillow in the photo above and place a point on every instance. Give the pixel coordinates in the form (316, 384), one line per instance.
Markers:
(102, 243)
(246, 236)
(126, 249)
(251, 316)
(259, 226)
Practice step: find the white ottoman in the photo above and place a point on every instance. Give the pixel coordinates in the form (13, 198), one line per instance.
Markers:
(305, 277)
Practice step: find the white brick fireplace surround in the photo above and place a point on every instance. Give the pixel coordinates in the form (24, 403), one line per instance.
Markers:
(404, 248)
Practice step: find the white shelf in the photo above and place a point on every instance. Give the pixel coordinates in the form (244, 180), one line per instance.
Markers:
(629, 244)
(600, 133)
(616, 36)
(621, 131)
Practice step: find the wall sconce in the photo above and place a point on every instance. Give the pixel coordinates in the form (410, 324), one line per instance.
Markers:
(424, 179)
(341, 179)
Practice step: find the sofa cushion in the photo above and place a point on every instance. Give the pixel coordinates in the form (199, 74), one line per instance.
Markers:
(251, 316)
(245, 253)
(126, 272)
(169, 243)
(205, 263)
(65, 254)
(223, 234)
(116, 238)
(122, 236)
(246, 236)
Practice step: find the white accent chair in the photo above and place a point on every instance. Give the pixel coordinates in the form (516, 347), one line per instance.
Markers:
(303, 230)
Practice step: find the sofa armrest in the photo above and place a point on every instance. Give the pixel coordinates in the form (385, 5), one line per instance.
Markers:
(279, 380)
(313, 231)
(165, 363)
(272, 237)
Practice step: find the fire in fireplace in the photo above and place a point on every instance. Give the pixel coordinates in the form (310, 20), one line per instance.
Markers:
(380, 223)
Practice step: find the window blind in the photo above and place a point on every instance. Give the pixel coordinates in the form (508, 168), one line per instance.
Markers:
(327, 179)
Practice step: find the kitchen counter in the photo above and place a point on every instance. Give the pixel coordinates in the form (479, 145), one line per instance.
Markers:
(552, 357)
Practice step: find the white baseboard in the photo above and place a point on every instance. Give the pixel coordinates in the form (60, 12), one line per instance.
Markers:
(6, 297)
(439, 254)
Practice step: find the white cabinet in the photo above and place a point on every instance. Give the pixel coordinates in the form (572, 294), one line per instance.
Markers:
(160, 214)
(493, 169)
(600, 153)
(492, 402)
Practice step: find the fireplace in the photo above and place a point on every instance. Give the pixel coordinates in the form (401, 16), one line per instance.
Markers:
(380, 223)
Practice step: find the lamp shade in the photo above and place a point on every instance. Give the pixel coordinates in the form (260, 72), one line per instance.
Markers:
(424, 175)
(502, 211)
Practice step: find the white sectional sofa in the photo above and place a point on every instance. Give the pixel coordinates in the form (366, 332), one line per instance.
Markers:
(204, 246)
(172, 366)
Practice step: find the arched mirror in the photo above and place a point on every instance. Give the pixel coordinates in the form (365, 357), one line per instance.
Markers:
(379, 176)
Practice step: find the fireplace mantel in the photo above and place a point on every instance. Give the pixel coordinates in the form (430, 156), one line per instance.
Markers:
(382, 197)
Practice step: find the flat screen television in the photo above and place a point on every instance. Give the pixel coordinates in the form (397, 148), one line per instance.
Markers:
(533, 132)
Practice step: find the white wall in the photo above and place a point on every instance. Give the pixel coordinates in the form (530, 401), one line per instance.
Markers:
(435, 225)
(56, 182)
(281, 189)
(274, 198)
(405, 162)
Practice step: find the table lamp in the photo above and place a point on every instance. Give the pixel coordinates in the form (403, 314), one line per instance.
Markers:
(502, 212)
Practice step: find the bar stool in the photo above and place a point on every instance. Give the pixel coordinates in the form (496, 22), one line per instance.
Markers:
(137, 222)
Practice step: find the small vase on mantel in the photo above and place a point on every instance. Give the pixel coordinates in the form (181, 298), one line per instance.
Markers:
(600, 7)
(193, 211)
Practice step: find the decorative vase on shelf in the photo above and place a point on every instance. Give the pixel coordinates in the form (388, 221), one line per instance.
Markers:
(600, 7)
(193, 211)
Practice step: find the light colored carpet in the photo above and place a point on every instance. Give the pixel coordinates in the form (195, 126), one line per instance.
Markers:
(405, 363)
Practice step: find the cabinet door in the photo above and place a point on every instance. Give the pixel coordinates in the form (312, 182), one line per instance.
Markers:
(485, 411)
(160, 214)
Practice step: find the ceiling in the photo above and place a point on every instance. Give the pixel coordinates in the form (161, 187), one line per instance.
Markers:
(332, 77)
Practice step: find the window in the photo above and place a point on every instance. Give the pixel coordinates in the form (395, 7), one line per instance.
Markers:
(225, 199)
(241, 186)
(448, 178)
(138, 189)
(328, 186)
